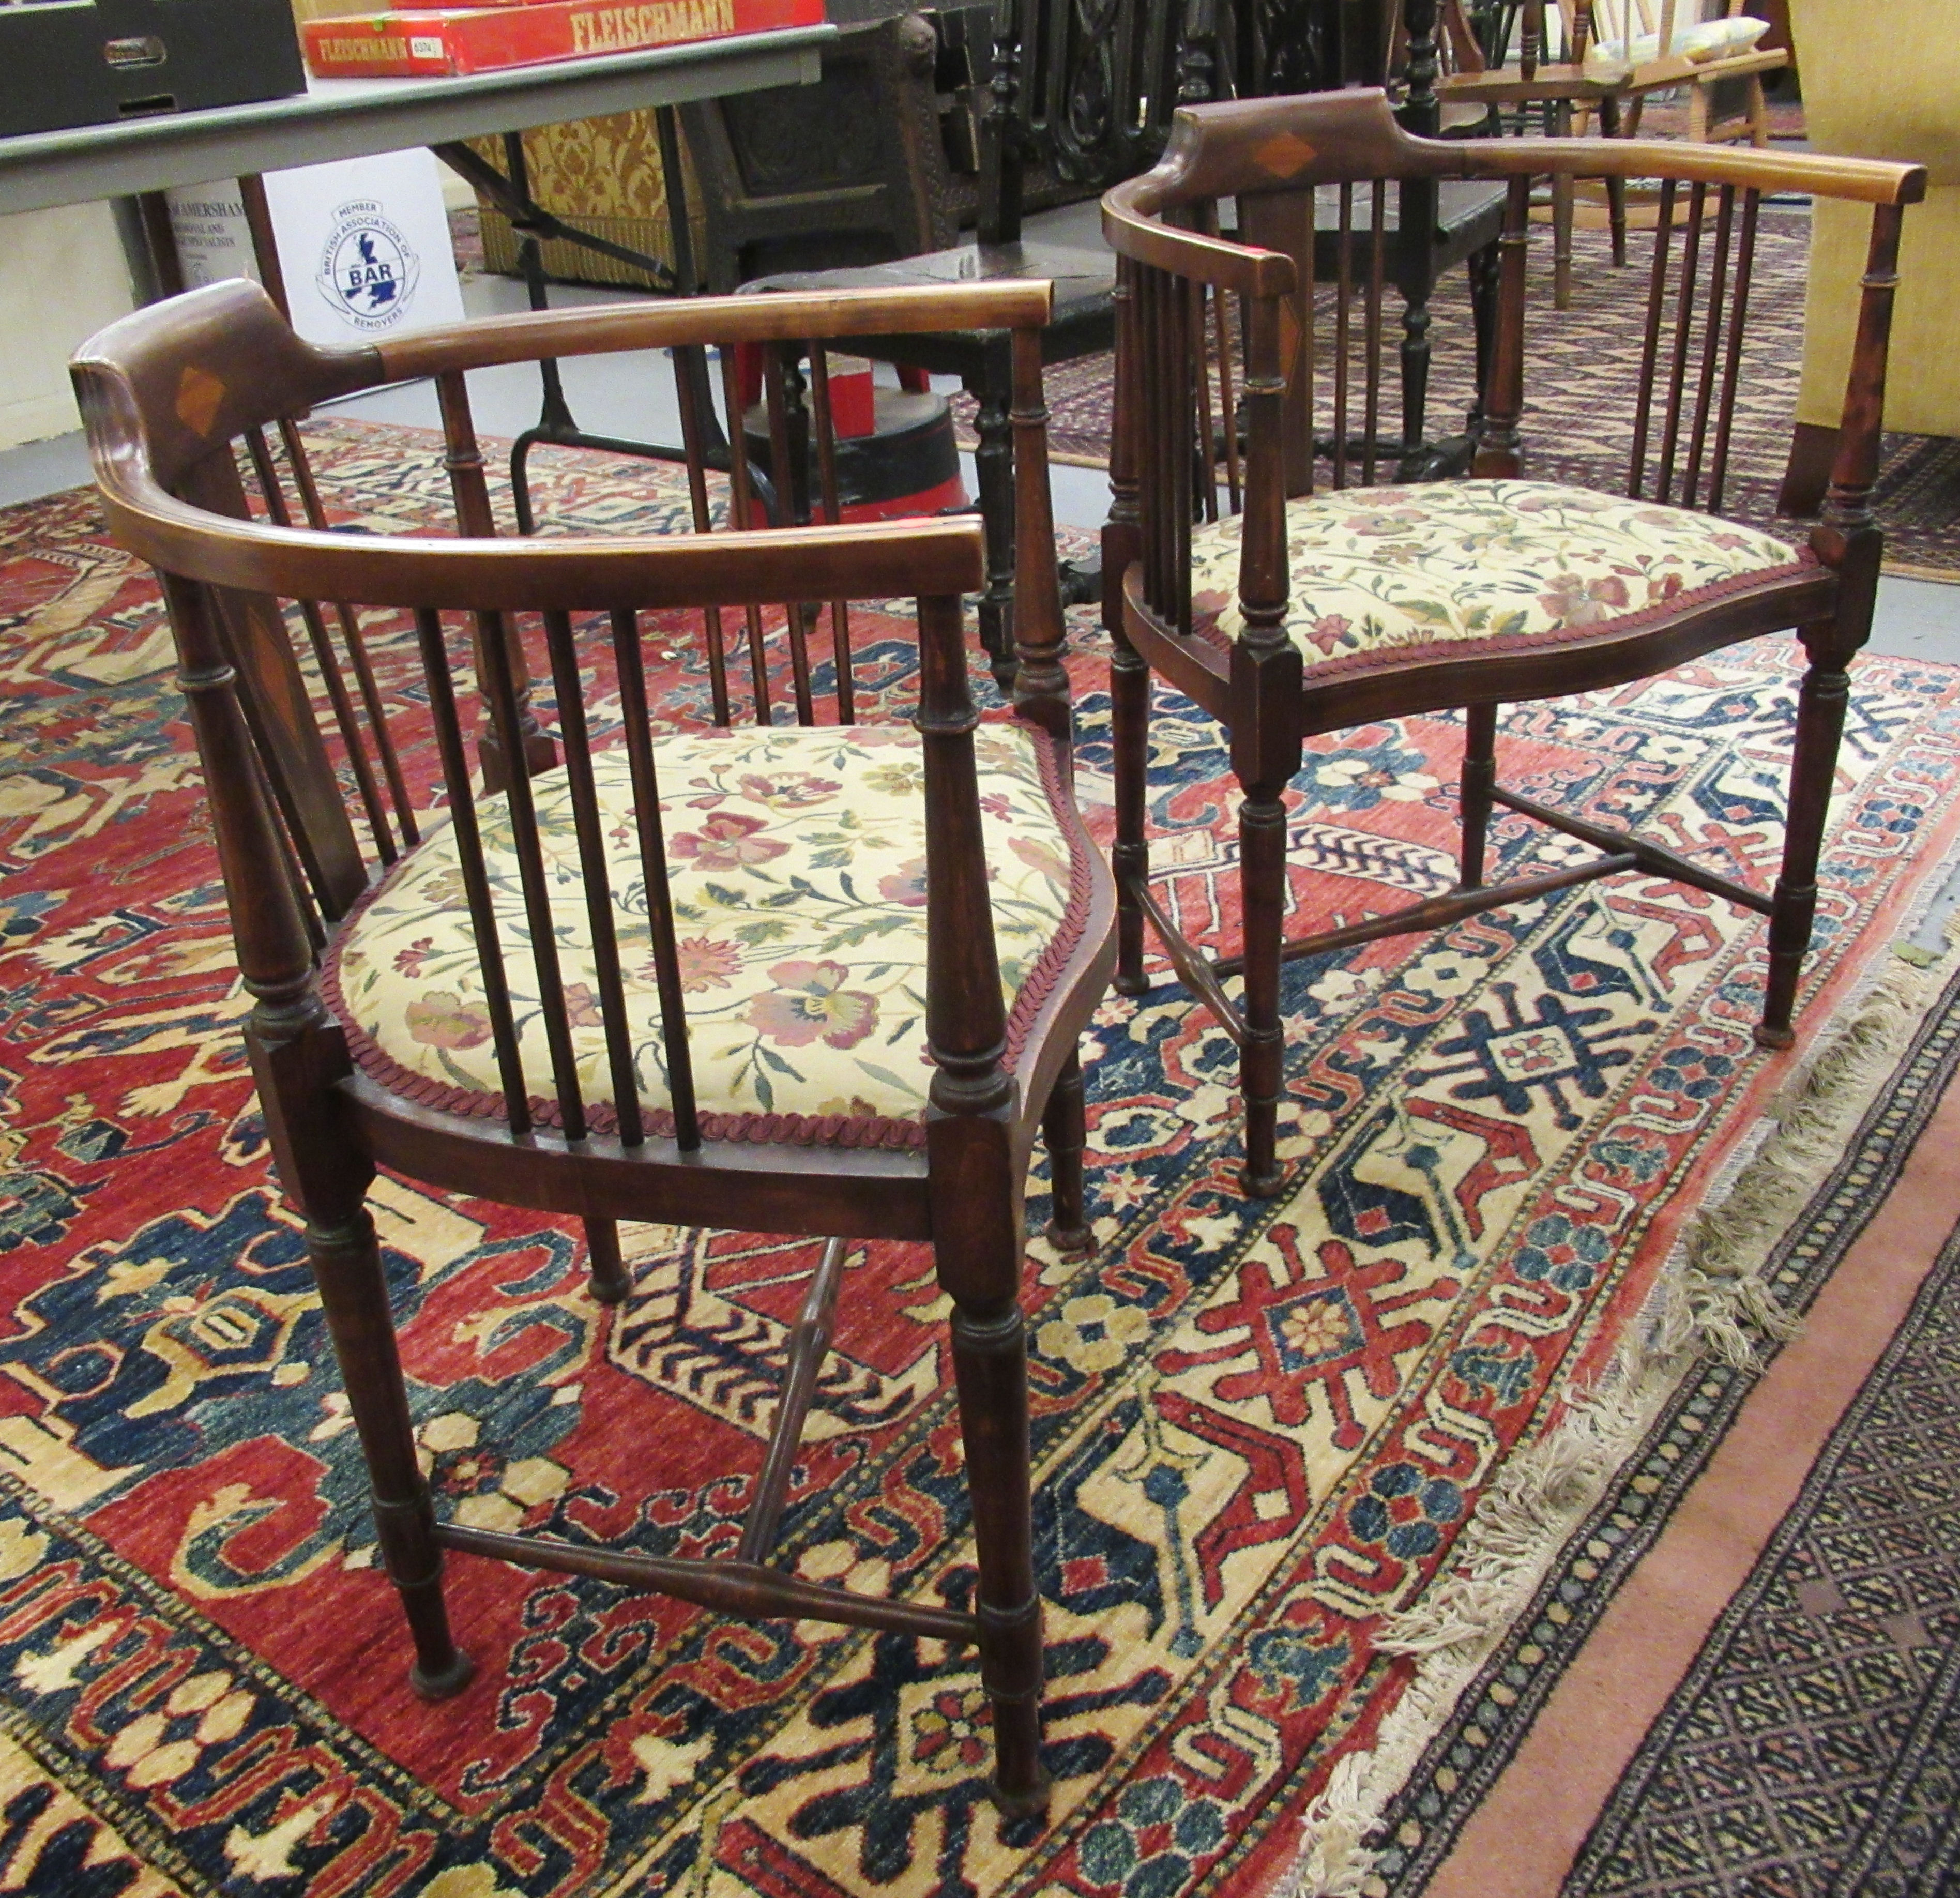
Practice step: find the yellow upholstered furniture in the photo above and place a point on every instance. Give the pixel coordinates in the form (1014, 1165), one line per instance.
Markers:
(1880, 81)
(604, 175)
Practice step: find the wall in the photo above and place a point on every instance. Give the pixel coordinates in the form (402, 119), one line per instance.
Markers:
(61, 277)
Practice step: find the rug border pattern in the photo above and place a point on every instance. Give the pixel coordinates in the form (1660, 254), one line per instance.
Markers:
(1420, 1822)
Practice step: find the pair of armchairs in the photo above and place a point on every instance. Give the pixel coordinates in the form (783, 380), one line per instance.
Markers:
(595, 1054)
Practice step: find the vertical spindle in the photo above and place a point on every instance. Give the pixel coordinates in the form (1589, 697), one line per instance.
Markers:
(500, 690)
(469, 860)
(827, 471)
(1343, 292)
(589, 829)
(788, 477)
(694, 446)
(1739, 314)
(1684, 325)
(1371, 417)
(351, 637)
(654, 879)
(281, 514)
(740, 505)
(1711, 341)
(1650, 341)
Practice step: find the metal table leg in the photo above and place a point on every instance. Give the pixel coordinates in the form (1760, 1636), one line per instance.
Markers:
(509, 190)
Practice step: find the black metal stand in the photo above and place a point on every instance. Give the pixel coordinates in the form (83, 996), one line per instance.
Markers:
(510, 191)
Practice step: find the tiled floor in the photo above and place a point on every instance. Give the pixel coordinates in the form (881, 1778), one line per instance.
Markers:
(633, 396)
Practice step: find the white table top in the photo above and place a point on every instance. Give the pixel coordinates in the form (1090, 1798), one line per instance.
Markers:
(350, 118)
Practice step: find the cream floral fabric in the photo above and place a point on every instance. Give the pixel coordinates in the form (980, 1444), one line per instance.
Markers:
(797, 869)
(1376, 568)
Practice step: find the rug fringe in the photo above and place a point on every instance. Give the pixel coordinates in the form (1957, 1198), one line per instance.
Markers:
(1711, 1297)
(1720, 1284)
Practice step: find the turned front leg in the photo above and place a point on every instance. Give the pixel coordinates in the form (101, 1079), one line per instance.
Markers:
(1820, 725)
(346, 1261)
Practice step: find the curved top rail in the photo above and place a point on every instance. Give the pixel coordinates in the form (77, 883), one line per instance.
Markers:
(777, 317)
(904, 559)
(203, 368)
(1246, 146)
(876, 560)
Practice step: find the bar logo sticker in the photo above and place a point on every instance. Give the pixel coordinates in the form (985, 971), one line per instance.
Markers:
(367, 269)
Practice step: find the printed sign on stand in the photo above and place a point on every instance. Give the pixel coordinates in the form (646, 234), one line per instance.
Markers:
(213, 240)
(364, 244)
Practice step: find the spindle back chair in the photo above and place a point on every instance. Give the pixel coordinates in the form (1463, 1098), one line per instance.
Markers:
(1724, 95)
(553, 997)
(1289, 598)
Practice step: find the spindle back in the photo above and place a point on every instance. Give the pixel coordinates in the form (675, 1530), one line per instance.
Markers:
(1252, 364)
(315, 795)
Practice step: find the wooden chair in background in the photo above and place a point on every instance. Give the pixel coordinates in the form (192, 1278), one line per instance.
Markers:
(1028, 117)
(1723, 94)
(599, 1079)
(1282, 621)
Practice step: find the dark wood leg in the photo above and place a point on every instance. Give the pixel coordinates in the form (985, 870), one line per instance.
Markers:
(1064, 1128)
(993, 462)
(1482, 267)
(1813, 447)
(611, 1281)
(1820, 723)
(1415, 365)
(1262, 883)
(1561, 215)
(1616, 188)
(1130, 856)
(989, 1367)
(1480, 774)
(347, 1263)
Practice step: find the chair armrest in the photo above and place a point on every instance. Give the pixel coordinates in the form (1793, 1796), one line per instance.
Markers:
(1007, 304)
(1865, 180)
(1132, 231)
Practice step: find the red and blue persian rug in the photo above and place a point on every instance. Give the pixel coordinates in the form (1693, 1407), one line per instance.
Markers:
(1281, 1448)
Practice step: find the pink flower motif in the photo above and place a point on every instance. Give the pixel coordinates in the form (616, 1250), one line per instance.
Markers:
(996, 805)
(786, 793)
(442, 1020)
(906, 885)
(855, 1107)
(1384, 521)
(1328, 632)
(1573, 601)
(1042, 856)
(726, 841)
(409, 961)
(581, 1006)
(812, 1002)
(704, 963)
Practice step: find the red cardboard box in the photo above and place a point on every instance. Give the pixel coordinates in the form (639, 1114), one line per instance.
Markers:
(436, 41)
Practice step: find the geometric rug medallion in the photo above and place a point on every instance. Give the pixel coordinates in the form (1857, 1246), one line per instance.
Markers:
(1261, 1430)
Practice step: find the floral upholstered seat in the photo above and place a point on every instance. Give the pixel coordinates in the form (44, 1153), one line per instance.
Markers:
(1374, 568)
(796, 863)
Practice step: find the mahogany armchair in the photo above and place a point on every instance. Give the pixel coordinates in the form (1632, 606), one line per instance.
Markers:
(1288, 600)
(577, 1060)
